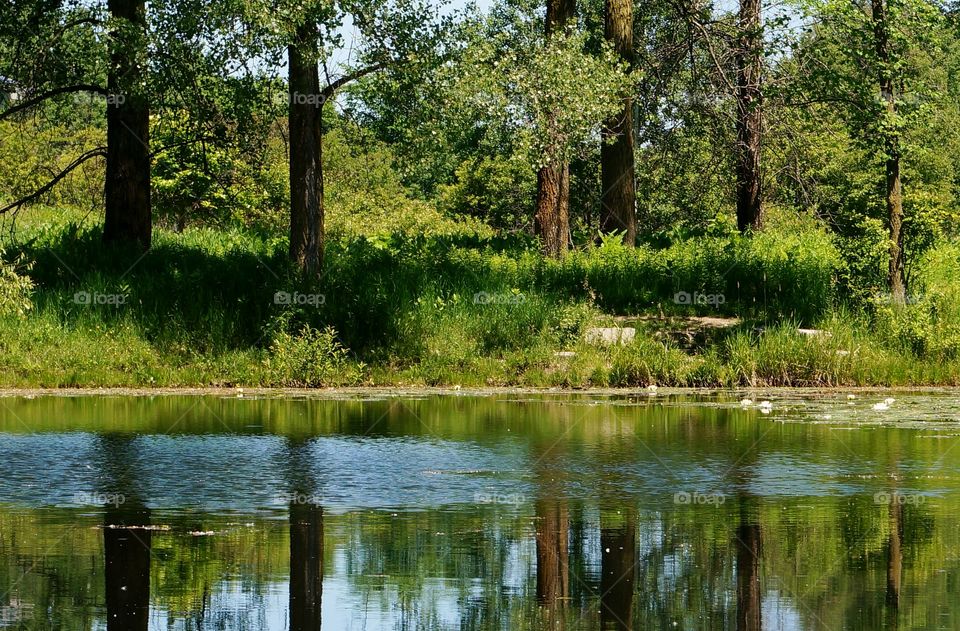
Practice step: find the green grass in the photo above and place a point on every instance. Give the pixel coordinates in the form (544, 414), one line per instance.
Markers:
(455, 308)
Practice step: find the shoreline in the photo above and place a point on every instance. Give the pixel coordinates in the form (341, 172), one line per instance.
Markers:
(401, 391)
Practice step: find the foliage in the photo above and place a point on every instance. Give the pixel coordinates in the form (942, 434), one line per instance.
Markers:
(842, 129)
(309, 358)
(430, 154)
(365, 196)
(30, 155)
(15, 287)
(550, 95)
(498, 191)
(929, 325)
(201, 181)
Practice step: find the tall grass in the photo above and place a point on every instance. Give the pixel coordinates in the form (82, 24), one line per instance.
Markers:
(201, 307)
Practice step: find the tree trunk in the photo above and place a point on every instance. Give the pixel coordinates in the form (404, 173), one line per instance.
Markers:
(747, 544)
(553, 204)
(894, 190)
(618, 197)
(553, 561)
(749, 116)
(559, 13)
(306, 174)
(552, 221)
(306, 566)
(618, 567)
(127, 215)
(126, 551)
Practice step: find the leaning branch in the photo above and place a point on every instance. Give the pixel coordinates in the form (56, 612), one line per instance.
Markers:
(347, 78)
(40, 98)
(93, 153)
(713, 54)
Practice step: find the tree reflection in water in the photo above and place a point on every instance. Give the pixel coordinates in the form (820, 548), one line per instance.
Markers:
(618, 571)
(127, 536)
(306, 539)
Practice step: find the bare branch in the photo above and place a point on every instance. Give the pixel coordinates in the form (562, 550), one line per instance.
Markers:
(69, 89)
(93, 153)
(713, 54)
(353, 76)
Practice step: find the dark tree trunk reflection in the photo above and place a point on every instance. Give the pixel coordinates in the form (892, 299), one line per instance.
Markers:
(127, 536)
(126, 550)
(553, 539)
(618, 569)
(306, 537)
(306, 566)
(747, 544)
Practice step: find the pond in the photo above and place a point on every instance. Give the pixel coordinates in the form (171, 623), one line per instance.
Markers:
(503, 511)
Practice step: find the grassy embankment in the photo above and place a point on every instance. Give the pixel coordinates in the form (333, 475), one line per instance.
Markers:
(457, 308)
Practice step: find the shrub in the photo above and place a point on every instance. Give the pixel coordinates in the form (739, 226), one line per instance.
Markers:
(15, 287)
(310, 358)
(929, 324)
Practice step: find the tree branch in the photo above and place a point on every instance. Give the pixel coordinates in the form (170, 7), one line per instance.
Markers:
(347, 78)
(69, 89)
(93, 153)
(713, 54)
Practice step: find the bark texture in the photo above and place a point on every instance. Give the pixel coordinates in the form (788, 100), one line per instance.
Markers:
(306, 169)
(127, 213)
(618, 198)
(553, 208)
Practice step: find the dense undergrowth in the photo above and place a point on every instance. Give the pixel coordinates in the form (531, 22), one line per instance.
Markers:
(223, 307)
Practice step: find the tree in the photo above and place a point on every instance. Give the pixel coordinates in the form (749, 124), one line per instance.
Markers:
(127, 211)
(894, 191)
(876, 65)
(306, 134)
(62, 57)
(618, 186)
(543, 97)
(391, 34)
(749, 60)
(552, 220)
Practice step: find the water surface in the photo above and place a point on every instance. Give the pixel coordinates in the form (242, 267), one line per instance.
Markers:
(640, 511)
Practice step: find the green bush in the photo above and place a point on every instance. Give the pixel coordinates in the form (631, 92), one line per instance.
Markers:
(15, 287)
(310, 358)
(929, 324)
